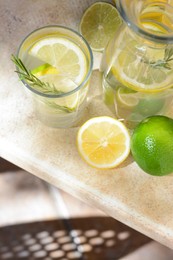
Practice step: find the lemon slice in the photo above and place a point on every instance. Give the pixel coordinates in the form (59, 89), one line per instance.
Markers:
(153, 27)
(141, 69)
(126, 97)
(99, 23)
(64, 55)
(103, 142)
(65, 68)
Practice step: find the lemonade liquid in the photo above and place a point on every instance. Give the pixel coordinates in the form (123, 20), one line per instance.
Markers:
(57, 110)
(138, 70)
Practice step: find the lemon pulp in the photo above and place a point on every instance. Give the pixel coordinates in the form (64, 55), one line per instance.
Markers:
(103, 142)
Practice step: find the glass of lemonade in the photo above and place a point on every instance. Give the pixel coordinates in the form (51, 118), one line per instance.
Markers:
(62, 59)
(137, 64)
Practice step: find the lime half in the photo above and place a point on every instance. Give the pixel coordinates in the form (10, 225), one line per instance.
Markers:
(98, 24)
(44, 69)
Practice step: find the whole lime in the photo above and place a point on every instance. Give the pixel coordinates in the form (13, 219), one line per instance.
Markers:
(152, 145)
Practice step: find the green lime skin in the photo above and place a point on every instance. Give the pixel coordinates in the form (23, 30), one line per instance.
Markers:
(152, 145)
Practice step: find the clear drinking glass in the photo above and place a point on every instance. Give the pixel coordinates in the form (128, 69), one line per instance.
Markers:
(63, 109)
(137, 64)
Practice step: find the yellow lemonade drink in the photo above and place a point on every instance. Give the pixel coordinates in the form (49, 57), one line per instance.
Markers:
(62, 60)
(138, 63)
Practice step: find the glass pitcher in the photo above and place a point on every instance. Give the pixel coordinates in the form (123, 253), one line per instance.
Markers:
(137, 64)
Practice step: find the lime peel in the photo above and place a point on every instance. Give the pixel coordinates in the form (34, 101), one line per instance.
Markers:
(44, 69)
(152, 145)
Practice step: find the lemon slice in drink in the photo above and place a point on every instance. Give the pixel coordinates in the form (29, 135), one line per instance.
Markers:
(126, 97)
(155, 28)
(68, 67)
(64, 55)
(141, 69)
(103, 142)
(99, 23)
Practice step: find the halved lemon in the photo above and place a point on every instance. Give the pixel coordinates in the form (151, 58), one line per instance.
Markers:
(99, 23)
(103, 142)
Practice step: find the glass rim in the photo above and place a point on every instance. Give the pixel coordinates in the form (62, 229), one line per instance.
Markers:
(84, 81)
(161, 38)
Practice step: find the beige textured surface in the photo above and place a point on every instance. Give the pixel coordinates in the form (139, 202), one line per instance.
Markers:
(126, 193)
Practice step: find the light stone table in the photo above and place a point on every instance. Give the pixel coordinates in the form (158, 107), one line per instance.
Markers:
(133, 197)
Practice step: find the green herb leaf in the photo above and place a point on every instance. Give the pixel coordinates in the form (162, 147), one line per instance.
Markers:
(61, 108)
(168, 53)
(165, 63)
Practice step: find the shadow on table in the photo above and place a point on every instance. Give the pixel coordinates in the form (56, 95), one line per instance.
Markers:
(7, 166)
(93, 238)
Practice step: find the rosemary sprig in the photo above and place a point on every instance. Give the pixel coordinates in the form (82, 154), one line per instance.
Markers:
(32, 80)
(62, 108)
(168, 54)
(165, 63)
(35, 82)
